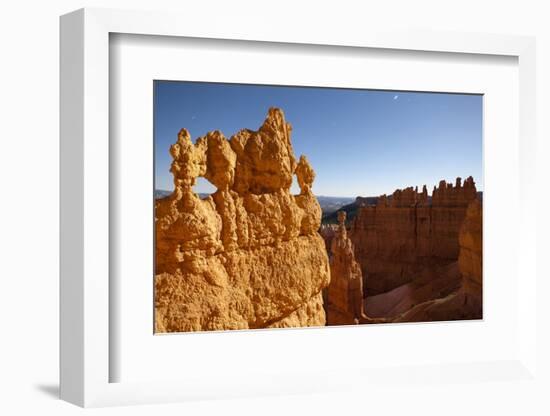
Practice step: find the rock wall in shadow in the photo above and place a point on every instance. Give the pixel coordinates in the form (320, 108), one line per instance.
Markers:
(403, 235)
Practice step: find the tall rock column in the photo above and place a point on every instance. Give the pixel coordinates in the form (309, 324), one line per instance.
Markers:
(470, 259)
(345, 292)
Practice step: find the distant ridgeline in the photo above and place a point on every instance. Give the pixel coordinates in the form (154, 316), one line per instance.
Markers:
(329, 204)
(159, 194)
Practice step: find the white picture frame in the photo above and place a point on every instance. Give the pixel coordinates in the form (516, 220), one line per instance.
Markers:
(85, 354)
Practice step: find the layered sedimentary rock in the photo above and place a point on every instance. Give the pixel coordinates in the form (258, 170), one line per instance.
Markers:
(470, 259)
(404, 234)
(345, 292)
(470, 240)
(249, 255)
(344, 295)
(466, 301)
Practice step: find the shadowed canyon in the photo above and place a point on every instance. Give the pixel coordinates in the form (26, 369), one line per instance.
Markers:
(253, 255)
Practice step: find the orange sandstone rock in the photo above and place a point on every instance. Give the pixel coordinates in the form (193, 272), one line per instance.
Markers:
(249, 255)
(470, 240)
(466, 301)
(402, 236)
(345, 292)
(344, 295)
(470, 259)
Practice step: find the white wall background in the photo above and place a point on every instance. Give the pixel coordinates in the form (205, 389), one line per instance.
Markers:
(29, 80)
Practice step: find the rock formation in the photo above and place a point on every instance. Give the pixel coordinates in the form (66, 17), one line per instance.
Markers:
(345, 292)
(249, 255)
(328, 231)
(470, 259)
(466, 301)
(344, 297)
(405, 234)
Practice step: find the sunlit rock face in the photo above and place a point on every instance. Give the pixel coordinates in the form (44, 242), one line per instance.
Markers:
(249, 255)
(405, 234)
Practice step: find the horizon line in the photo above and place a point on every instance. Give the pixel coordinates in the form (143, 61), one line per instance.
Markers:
(316, 195)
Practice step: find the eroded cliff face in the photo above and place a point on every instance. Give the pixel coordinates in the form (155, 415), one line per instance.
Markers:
(470, 259)
(466, 301)
(470, 240)
(249, 255)
(402, 236)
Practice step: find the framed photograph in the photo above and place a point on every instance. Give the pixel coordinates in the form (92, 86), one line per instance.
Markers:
(240, 212)
(250, 236)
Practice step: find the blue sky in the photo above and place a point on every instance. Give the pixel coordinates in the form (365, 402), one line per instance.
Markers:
(359, 142)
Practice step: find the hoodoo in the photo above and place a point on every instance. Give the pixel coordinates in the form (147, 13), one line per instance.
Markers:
(344, 296)
(249, 255)
(345, 292)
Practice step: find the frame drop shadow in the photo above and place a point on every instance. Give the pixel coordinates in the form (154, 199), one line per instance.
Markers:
(51, 390)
